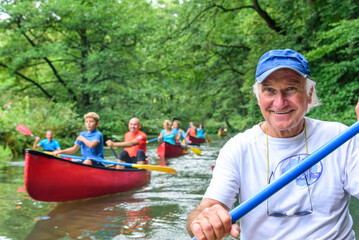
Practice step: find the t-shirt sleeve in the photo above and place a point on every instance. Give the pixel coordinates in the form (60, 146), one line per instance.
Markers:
(98, 137)
(351, 183)
(224, 186)
(77, 142)
(57, 144)
(41, 143)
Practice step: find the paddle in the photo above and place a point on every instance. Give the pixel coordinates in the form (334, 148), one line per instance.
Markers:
(152, 140)
(293, 173)
(142, 166)
(209, 140)
(26, 131)
(195, 150)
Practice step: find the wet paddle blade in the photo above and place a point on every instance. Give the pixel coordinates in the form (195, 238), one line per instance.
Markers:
(24, 130)
(196, 150)
(155, 168)
(209, 140)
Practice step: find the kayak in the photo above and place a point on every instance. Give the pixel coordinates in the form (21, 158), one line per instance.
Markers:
(196, 141)
(166, 150)
(52, 179)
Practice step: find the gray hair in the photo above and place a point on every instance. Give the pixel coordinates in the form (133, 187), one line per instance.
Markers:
(310, 84)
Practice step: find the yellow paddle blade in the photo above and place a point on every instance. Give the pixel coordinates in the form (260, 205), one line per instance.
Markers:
(209, 140)
(196, 150)
(155, 168)
(50, 153)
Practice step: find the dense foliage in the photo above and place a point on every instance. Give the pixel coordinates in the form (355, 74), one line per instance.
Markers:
(189, 60)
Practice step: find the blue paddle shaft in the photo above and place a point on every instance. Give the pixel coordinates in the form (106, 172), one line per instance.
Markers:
(71, 156)
(114, 153)
(152, 140)
(292, 174)
(97, 160)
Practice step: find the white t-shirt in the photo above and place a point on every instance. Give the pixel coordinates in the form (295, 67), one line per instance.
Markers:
(241, 172)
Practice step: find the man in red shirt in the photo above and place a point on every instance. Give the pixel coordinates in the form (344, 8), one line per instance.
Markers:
(134, 144)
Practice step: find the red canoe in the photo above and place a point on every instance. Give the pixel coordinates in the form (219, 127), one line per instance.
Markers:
(166, 150)
(52, 179)
(196, 140)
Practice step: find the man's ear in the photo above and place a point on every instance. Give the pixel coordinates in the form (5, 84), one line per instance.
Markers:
(310, 95)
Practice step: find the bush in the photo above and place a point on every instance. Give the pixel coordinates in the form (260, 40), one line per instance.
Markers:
(38, 115)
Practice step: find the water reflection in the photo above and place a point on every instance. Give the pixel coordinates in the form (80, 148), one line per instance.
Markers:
(157, 211)
(95, 217)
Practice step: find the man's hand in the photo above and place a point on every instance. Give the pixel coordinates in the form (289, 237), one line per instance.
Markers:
(81, 138)
(214, 223)
(56, 152)
(109, 143)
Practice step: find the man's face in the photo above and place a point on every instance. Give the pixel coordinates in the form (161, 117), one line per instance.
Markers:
(175, 125)
(134, 125)
(283, 102)
(49, 135)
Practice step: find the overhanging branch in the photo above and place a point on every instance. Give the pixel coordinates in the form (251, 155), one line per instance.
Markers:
(32, 82)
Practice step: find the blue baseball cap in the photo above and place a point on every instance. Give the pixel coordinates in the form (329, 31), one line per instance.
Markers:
(278, 59)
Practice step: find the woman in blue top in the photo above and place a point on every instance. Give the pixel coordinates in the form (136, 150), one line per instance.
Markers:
(168, 134)
(201, 133)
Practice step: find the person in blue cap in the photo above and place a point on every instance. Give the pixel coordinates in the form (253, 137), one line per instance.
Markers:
(313, 206)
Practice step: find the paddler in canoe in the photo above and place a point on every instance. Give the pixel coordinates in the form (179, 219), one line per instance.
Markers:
(90, 142)
(181, 135)
(191, 130)
(201, 132)
(222, 131)
(49, 143)
(134, 144)
(168, 134)
(313, 206)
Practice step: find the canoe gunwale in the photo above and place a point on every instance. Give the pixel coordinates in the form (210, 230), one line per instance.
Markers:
(79, 163)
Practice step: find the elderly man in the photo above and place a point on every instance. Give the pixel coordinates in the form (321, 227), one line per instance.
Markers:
(313, 206)
(134, 144)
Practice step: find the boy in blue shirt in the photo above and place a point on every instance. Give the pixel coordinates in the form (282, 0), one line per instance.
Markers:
(90, 142)
(49, 144)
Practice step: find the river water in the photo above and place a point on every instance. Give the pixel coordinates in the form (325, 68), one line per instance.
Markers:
(157, 211)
